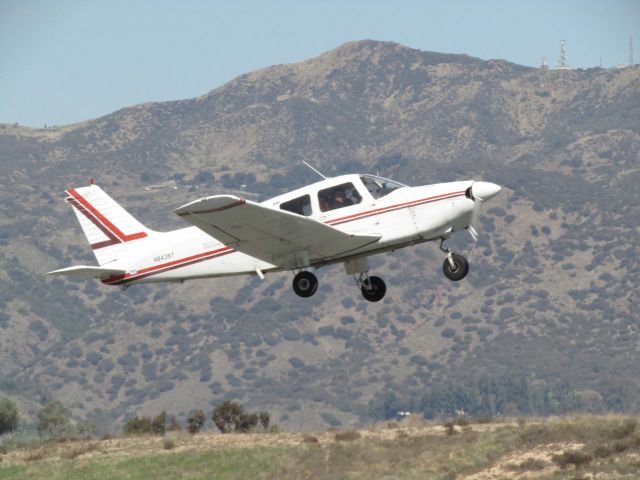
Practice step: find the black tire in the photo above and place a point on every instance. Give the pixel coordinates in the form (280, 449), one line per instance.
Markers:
(375, 289)
(305, 284)
(460, 269)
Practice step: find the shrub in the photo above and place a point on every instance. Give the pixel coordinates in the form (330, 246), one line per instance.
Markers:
(462, 421)
(174, 424)
(624, 430)
(264, 418)
(573, 457)
(448, 332)
(8, 416)
(54, 420)
(146, 425)
(450, 428)
(195, 421)
(226, 416)
(168, 443)
(330, 419)
(348, 436)
(306, 438)
(231, 416)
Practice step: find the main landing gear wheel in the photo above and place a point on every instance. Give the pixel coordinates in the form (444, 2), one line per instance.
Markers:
(373, 289)
(305, 284)
(455, 267)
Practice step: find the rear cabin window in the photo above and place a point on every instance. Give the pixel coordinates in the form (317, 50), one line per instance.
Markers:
(339, 196)
(300, 205)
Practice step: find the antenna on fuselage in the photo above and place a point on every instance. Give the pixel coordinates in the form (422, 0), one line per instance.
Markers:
(314, 169)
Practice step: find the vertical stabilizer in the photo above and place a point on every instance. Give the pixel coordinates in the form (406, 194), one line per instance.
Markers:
(109, 228)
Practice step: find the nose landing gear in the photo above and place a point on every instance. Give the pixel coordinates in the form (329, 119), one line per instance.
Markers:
(455, 266)
(373, 288)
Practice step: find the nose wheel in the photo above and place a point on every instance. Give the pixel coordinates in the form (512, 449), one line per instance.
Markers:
(455, 266)
(373, 288)
(305, 284)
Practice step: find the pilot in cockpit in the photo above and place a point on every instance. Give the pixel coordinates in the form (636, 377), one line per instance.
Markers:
(340, 199)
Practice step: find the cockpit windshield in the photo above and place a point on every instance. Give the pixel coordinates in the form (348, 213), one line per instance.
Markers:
(379, 187)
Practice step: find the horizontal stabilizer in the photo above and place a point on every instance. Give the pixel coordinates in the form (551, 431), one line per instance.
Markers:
(88, 272)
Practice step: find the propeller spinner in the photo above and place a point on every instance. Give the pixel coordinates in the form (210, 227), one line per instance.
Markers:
(480, 192)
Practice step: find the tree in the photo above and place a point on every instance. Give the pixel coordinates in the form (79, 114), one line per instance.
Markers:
(264, 419)
(146, 425)
(8, 416)
(247, 422)
(54, 420)
(227, 415)
(195, 421)
(231, 416)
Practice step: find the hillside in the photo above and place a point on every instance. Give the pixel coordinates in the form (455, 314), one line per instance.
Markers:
(544, 323)
(560, 448)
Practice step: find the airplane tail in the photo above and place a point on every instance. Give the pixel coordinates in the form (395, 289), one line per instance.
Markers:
(109, 228)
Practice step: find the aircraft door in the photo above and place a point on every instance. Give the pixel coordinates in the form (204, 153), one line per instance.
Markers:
(341, 206)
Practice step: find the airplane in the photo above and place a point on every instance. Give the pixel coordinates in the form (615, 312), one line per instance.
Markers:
(344, 219)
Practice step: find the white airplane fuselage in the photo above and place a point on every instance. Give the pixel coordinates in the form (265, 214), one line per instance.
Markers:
(405, 216)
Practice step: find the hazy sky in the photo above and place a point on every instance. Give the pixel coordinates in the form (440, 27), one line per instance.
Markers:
(66, 61)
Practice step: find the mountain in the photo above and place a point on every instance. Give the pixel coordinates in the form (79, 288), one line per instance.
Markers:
(545, 322)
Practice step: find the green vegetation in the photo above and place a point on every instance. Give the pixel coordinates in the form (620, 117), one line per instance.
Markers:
(146, 425)
(54, 420)
(8, 416)
(573, 447)
(228, 464)
(195, 421)
(231, 416)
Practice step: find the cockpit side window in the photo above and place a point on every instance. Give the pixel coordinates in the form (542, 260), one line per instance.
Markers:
(379, 187)
(300, 205)
(339, 196)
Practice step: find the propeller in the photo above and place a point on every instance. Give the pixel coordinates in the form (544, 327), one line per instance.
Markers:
(480, 192)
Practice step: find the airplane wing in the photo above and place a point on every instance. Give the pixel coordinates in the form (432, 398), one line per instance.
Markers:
(88, 271)
(279, 237)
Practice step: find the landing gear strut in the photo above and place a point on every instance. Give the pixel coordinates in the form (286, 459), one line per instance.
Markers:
(373, 288)
(305, 284)
(455, 266)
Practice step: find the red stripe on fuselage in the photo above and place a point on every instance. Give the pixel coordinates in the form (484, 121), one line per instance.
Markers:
(164, 267)
(104, 220)
(390, 208)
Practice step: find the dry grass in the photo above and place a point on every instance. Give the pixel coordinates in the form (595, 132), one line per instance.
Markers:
(608, 446)
(34, 455)
(78, 450)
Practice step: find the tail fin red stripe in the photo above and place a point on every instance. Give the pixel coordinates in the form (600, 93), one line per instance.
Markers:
(112, 238)
(115, 231)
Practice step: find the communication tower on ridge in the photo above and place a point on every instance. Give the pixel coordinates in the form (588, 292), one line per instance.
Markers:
(562, 61)
(544, 65)
(631, 52)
